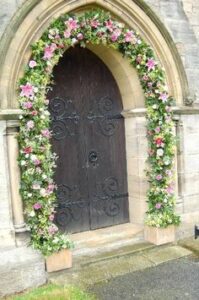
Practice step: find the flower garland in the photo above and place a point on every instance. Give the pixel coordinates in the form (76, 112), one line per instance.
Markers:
(36, 159)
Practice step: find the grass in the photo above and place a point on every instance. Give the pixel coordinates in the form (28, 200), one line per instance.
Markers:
(54, 292)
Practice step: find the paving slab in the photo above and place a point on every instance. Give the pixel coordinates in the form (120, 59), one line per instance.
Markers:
(102, 270)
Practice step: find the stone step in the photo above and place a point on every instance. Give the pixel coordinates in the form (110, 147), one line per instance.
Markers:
(107, 239)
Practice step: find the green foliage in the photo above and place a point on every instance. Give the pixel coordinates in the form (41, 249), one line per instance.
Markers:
(54, 292)
(36, 159)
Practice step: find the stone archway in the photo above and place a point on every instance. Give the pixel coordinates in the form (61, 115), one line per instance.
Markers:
(134, 113)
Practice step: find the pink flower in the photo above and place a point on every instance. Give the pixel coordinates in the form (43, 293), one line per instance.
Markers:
(27, 150)
(163, 97)
(27, 105)
(37, 162)
(170, 190)
(71, 24)
(46, 133)
(94, 23)
(109, 25)
(159, 177)
(51, 187)
(27, 90)
(168, 108)
(67, 34)
(51, 217)
(129, 36)
(145, 77)
(37, 206)
(30, 125)
(150, 152)
(158, 205)
(48, 51)
(168, 173)
(52, 229)
(80, 36)
(159, 141)
(157, 129)
(32, 64)
(151, 64)
(115, 35)
(34, 113)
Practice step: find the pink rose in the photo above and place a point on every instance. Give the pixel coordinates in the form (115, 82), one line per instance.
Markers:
(94, 23)
(159, 177)
(129, 36)
(46, 133)
(27, 150)
(52, 229)
(30, 125)
(37, 206)
(115, 35)
(80, 36)
(163, 97)
(51, 217)
(67, 34)
(158, 205)
(32, 64)
(27, 105)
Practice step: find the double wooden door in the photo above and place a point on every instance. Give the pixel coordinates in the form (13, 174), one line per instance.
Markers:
(88, 137)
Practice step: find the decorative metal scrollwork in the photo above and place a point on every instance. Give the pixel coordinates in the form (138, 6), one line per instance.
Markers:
(64, 118)
(69, 202)
(108, 197)
(103, 114)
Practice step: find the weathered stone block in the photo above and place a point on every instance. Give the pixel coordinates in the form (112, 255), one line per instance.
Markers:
(20, 268)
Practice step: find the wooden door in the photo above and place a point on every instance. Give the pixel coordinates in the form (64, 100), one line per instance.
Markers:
(88, 136)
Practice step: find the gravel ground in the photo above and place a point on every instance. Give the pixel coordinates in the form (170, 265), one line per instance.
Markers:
(177, 279)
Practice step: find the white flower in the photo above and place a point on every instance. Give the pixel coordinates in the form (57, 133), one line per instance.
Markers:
(160, 152)
(33, 157)
(23, 162)
(32, 213)
(44, 176)
(154, 106)
(29, 194)
(43, 192)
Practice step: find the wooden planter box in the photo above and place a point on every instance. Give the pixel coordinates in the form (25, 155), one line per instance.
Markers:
(159, 236)
(59, 261)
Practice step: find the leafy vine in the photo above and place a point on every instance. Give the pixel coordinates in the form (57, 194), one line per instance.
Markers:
(36, 159)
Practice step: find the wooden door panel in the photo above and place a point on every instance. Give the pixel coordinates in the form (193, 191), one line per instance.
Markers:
(85, 106)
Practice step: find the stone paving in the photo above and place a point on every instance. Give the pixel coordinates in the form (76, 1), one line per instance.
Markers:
(176, 279)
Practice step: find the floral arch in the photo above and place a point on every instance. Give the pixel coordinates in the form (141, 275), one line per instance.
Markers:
(36, 160)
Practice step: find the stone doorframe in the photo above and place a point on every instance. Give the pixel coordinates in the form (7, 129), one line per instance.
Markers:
(29, 23)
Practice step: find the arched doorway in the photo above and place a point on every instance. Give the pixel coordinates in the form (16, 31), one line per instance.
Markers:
(89, 139)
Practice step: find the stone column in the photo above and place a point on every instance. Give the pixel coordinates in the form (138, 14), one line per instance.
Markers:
(7, 233)
(17, 207)
(178, 164)
(136, 155)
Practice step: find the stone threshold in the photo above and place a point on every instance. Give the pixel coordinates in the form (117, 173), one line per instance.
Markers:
(94, 242)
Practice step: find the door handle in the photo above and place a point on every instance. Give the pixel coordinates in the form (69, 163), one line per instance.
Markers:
(92, 157)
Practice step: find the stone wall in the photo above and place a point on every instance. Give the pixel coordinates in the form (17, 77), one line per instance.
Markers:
(181, 19)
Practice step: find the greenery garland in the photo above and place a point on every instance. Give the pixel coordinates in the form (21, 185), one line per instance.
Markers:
(37, 162)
